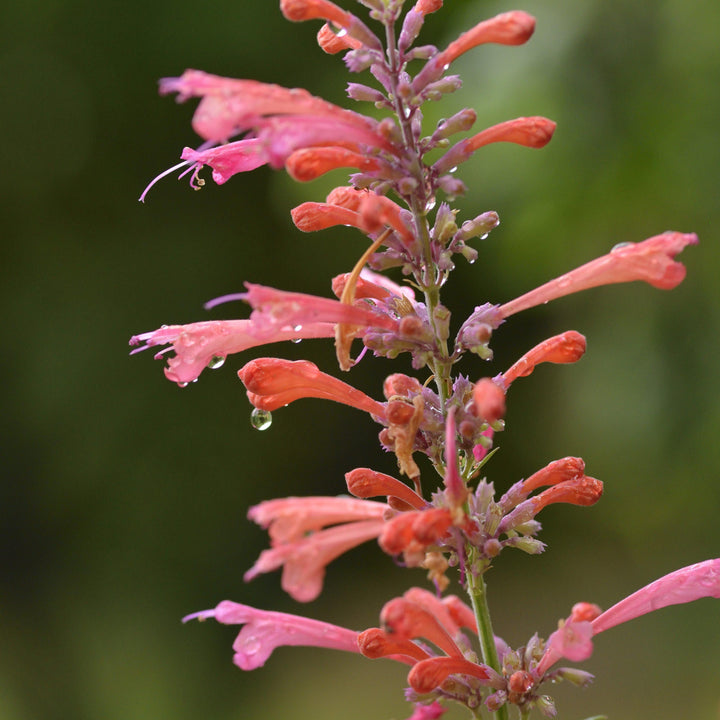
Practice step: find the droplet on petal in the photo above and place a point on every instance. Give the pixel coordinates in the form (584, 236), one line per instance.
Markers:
(260, 419)
(216, 361)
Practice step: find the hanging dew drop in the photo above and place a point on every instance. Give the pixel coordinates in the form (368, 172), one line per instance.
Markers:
(216, 361)
(260, 419)
(182, 384)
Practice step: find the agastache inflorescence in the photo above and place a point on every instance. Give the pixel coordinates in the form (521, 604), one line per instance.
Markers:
(457, 522)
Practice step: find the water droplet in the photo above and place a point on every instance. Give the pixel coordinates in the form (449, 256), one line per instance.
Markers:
(484, 237)
(407, 111)
(430, 205)
(182, 384)
(260, 419)
(296, 340)
(216, 361)
(453, 169)
(621, 245)
(472, 260)
(342, 32)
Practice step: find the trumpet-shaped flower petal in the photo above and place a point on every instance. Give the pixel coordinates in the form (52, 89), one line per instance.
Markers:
(273, 382)
(426, 675)
(366, 483)
(264, 631)
(206, 344)
(652, 261)
(291, 519)
(568, 347)
(532, 132)
(406, 619)
(274, 308)
(300, 10)
(304, 561)
(573, 639)
(376, 643)
(229, 106)
(555, 472)
(510, 28)
(310, 163)
(333, 43)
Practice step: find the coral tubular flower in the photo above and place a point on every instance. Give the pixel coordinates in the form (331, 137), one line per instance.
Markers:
(310, 163)
(652, 261)
(555, 472)
(573, 639)
(411, 533)
(377, 643)
(489, 399)
(406, 619)
(333, 43)
(366, 483)
(581, 490)
(264, 631)
(300, 10)
(206, 344)
(304, 561)
(568, 347)
(510, 28)
(426, 675)
(274, 382)
(532, 132)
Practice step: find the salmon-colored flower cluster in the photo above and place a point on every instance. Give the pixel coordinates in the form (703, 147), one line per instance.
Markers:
(441, 513)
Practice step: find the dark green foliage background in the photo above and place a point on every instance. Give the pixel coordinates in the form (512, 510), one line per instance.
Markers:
(123, 499)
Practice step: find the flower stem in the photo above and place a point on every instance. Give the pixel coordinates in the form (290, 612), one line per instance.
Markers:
(478, 596)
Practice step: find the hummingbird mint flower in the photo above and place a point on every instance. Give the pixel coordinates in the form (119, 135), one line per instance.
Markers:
(573, 638)
(263, 631)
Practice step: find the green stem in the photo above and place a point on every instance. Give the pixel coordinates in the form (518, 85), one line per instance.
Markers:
(478, 596)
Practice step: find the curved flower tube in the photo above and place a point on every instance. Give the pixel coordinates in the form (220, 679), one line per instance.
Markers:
(573, 639)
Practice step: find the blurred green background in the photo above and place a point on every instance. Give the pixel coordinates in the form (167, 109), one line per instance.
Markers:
(123, 501)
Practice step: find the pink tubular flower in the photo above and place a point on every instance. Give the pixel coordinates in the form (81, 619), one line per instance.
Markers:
(230, 106)
(573, 639)
(274, 308)
(456, 490)
(652, 261)
(206, 344)
(274, 382)
(302, 544)
(290, 519)
(568, 347)
(433, 711)
(264, 631)
(532, 132)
